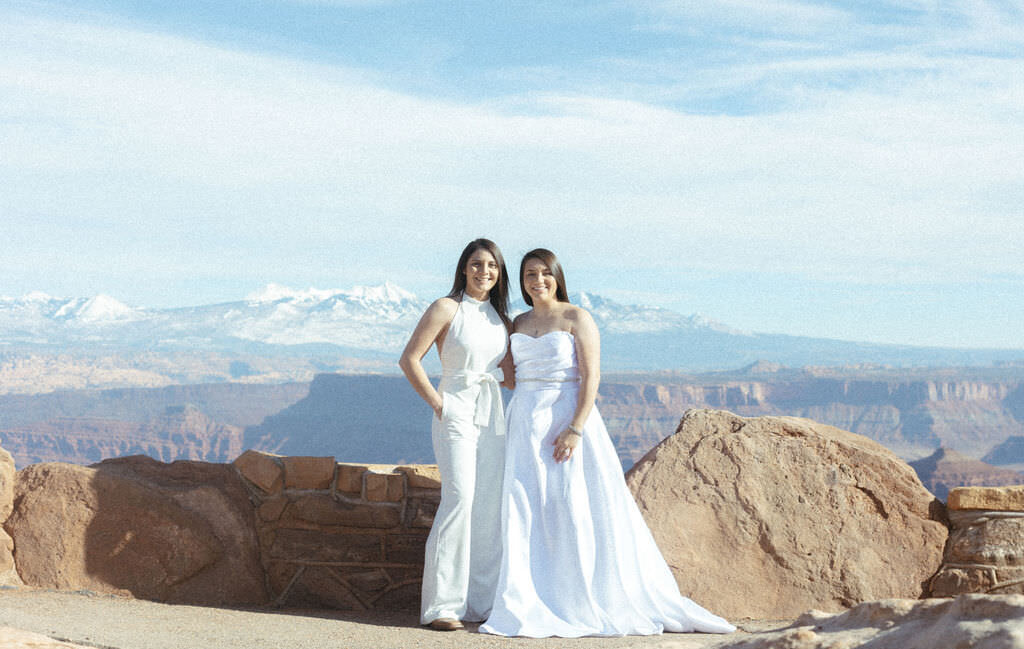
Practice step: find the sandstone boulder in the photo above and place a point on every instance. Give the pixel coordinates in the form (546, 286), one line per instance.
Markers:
(180, 532)
(768, 517)
(7, 475)
(8, 574)
(976, 621)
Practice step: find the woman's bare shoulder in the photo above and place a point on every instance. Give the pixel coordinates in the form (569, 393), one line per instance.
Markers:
(445, 303)
(575, 313)
(441, 308)
(577, 318)
(519, 320)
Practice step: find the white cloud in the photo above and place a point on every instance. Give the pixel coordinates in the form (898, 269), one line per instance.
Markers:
(157, 134)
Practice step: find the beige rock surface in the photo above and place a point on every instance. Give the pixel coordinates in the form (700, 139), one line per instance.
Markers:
(773, 516)
(11, 638)
(1009, 499)
(262, 469)
(7, 475)
(421, 476)
(975, 622)
(174, 532)
(984, 554)
(302, 472)
(8, 573)
(969, 621)
(125, 623)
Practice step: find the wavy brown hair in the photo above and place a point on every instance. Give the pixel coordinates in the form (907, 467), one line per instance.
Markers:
(499, 294)
(549, 259)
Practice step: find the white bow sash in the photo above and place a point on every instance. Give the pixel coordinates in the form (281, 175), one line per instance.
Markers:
(490, 395)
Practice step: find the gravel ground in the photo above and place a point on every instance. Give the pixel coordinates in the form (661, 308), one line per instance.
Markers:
(109, 622)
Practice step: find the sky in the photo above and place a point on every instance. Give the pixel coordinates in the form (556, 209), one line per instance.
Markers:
(848, 170)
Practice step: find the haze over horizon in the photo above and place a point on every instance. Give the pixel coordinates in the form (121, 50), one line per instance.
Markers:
(830, 169)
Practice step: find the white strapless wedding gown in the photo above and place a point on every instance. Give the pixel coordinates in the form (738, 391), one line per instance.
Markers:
(578, 558)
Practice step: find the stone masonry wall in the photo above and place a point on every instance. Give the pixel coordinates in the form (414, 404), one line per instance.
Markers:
(341, 535)
(985, 550)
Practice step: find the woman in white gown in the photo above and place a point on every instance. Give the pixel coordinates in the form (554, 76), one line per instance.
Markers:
(470, 328)
(578, 558)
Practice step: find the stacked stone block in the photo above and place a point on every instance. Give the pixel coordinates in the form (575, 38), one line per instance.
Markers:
(341, 535)
(985, 550)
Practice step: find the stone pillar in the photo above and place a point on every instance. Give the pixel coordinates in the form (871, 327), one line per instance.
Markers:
(341, 535)
(985, 550)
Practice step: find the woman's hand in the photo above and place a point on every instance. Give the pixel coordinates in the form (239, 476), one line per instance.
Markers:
(439, 408)
(565, 444)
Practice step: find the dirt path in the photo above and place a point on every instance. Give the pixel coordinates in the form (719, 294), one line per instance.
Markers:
(110, 622)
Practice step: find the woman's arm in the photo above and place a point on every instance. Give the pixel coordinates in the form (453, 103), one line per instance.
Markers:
(431, 328)
(508, 368)
(508, 364)
(588, 358)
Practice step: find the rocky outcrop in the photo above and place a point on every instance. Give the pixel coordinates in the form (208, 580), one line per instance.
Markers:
(8, 573)
(180, 432)
(985, 552)
(347, 416)
(946, 469)
(1009, 452)
(800, 514)
(181, 532)
(299, 531)
(910, 416)
(977, 621)
(911, 411)
(344, 536)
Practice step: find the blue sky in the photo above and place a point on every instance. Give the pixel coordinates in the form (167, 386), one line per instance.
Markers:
(839, 169)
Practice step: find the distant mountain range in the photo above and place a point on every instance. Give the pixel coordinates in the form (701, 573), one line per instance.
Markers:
(374, 323)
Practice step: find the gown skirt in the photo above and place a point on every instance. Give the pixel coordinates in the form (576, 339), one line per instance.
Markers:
(577, 557)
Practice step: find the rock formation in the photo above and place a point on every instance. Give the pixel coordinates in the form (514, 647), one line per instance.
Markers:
(377, 419)
(337, 535)
(195, 422)
(297, 531)
(8, 574)
(179, 433)
(182, 532)
(976, 621)
(1010, 452)
(773, 516)
(912, 412)
(945, 469)
(985, 552)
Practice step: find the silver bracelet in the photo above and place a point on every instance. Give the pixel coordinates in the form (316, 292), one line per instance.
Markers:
(575, 430)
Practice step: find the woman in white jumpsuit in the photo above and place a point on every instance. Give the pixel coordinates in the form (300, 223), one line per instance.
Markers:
(470, 328)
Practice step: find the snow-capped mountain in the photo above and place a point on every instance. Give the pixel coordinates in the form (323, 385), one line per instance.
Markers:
(372, 324)
(614, 318)
(372, 318)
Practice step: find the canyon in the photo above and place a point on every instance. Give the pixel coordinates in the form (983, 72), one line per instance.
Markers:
(973, 412)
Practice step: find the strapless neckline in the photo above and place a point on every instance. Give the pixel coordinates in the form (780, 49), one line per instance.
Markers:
(553, 331)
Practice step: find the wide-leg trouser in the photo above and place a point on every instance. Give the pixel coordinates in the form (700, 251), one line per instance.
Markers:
(463, 556)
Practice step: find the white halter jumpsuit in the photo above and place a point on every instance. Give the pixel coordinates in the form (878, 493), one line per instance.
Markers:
(463, 555)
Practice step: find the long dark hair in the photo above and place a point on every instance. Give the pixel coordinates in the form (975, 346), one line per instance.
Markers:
(498, 294)
(549, 259)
